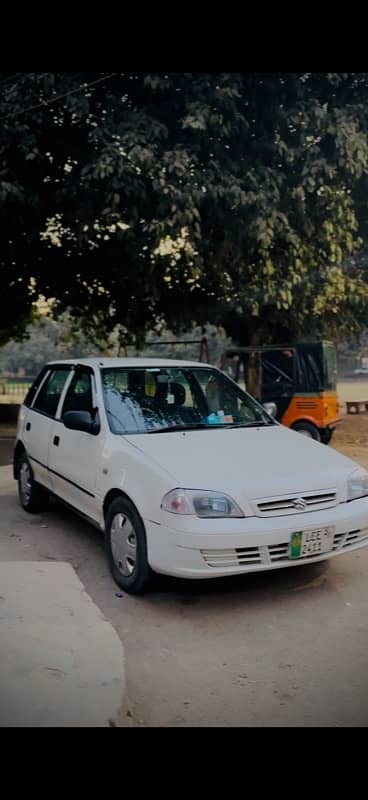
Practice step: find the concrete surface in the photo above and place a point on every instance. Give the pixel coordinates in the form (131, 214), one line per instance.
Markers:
(285, 648)
(61, 662)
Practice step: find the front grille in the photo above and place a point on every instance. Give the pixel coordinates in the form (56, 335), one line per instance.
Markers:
(232, 558)
(354, 537)
(276, 553)
(296, 504)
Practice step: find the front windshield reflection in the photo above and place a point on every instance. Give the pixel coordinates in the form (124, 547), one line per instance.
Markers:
(141, 400)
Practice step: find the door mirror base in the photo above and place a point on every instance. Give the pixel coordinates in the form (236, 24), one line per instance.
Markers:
(81, 421)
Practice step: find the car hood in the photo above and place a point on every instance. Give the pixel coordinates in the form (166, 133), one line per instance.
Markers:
(246, 463)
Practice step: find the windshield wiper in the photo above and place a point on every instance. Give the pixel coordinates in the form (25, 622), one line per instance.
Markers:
(260, 424)
(203, 425)
(190, 427)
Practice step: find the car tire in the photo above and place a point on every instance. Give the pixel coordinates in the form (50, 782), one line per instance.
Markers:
(126, 547)
(32, 497)
(326, 436)
(307, 429)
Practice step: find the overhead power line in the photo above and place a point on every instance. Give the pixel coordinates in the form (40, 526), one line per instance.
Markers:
(10, 78)
(19, 75)
(45, 103)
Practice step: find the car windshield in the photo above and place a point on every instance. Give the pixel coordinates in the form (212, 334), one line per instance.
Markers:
(154, 400)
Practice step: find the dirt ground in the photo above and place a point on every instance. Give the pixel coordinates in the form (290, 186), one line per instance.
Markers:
(352, 389)
(351, 436)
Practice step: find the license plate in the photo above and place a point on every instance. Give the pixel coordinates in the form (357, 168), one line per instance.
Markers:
(310, 543)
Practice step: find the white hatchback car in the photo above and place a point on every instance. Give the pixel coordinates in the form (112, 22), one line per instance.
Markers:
(184, 472)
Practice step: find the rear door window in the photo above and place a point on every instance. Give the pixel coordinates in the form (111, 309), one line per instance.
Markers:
(49, 395)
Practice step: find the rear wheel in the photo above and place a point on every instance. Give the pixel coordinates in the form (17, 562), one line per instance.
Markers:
(126, 547)
(307, 429)
(33, 497)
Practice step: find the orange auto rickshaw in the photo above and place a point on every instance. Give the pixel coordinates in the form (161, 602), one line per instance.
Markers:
(298, 380)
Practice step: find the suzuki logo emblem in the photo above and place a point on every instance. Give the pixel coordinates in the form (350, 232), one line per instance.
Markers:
(299, 502)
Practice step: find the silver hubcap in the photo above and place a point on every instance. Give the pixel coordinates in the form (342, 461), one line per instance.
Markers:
(123, 544)
(25, 482)
(306, 433)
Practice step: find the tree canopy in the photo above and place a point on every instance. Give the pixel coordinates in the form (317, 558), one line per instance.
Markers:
(135, 199)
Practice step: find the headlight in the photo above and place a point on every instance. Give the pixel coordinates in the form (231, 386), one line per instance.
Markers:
(357, 485)
(200, 503)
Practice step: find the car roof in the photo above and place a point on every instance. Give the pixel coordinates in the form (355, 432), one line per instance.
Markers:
(129, 362)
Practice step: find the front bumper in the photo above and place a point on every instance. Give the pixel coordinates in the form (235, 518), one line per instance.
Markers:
(213, 548)
(331, 424)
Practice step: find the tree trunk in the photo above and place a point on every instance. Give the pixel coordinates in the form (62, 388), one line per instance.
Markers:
(253, 375)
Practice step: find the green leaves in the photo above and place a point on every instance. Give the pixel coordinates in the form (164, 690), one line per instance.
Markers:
(187, 196)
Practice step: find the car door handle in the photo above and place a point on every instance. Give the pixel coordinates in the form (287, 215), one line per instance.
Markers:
(56, 440)
(28, 426)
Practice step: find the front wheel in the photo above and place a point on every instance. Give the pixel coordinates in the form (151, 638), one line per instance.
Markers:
(32, 497)
(326, 435)
(127, 547)
(307, 429)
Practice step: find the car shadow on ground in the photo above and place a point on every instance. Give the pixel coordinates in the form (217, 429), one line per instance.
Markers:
(276, 581)
(76, 523)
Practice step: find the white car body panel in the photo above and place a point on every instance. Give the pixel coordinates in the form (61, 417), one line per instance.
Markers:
(250, 465)
(76, 458)
(37, 442)
(247, 463)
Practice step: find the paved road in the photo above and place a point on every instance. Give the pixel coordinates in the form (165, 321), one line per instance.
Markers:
(287, 647)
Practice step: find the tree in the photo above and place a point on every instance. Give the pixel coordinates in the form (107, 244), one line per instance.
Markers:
(136, 199)
(46, 340)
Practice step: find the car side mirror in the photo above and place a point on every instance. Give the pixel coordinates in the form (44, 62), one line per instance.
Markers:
(81, 421)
